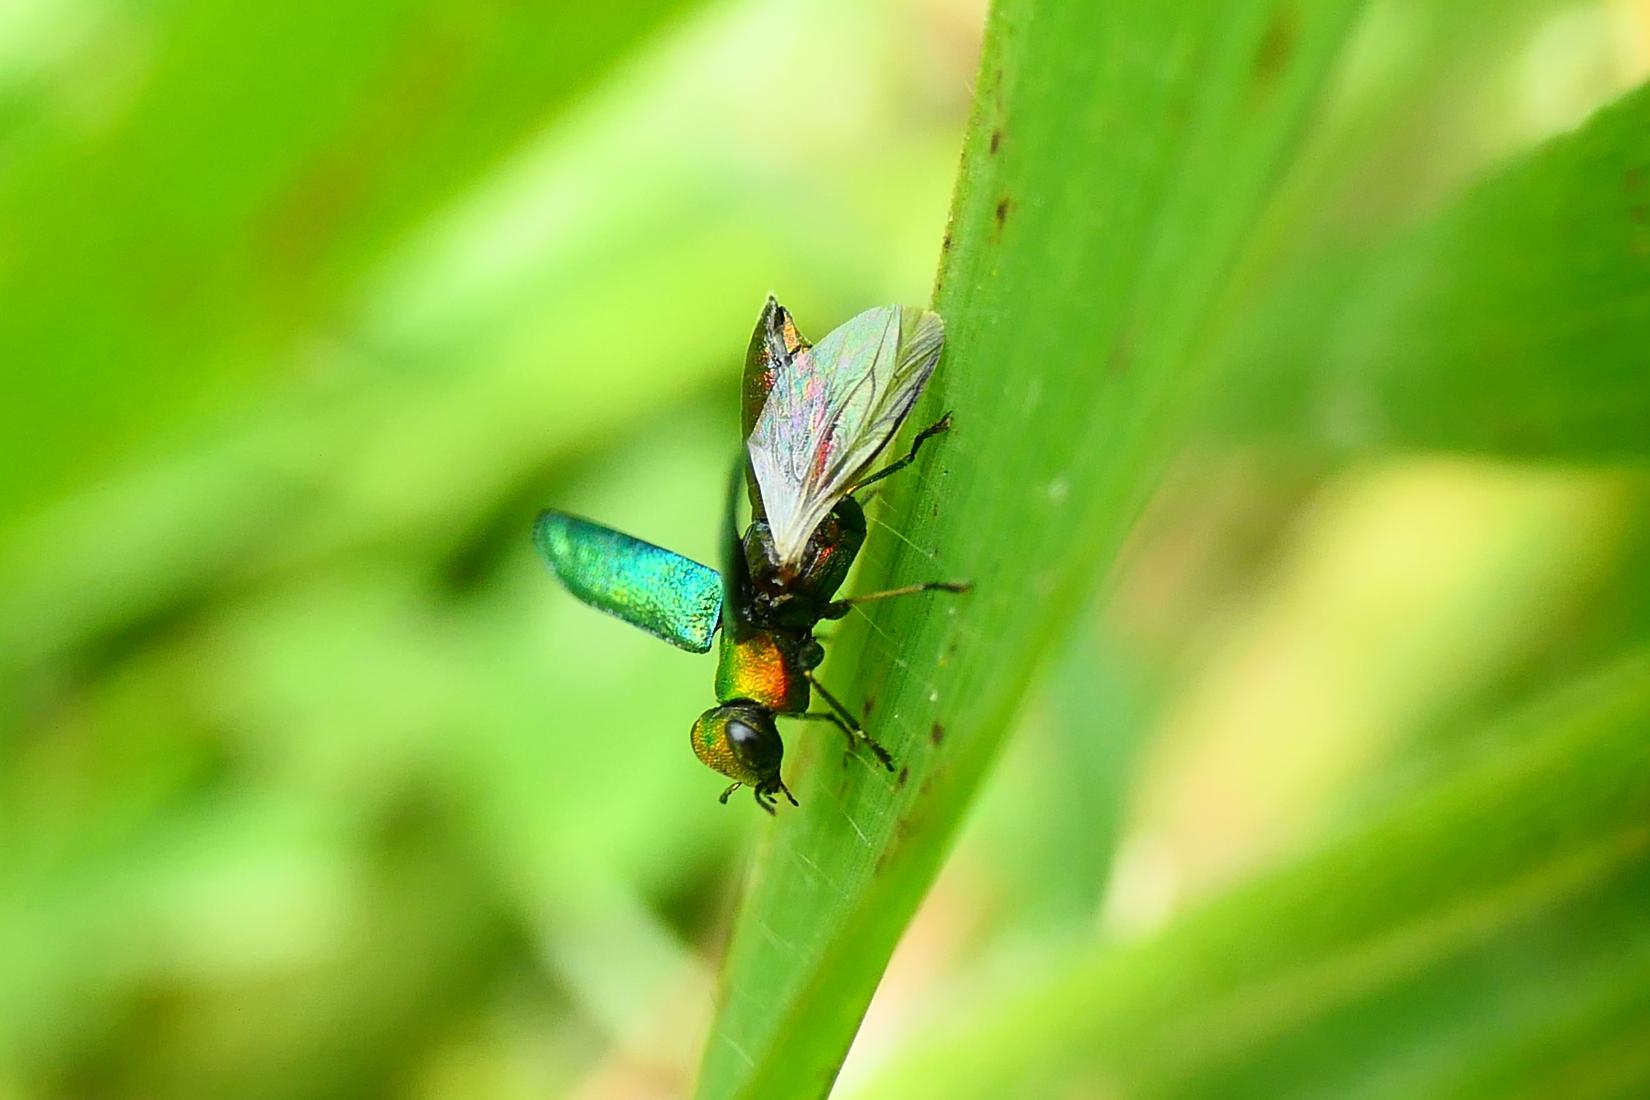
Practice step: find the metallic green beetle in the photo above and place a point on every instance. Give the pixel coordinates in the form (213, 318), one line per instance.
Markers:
(815, 417)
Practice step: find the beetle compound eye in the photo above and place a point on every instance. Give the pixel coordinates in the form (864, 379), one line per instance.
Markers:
(756, 745)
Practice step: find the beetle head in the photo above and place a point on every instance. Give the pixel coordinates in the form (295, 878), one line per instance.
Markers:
(740, 741)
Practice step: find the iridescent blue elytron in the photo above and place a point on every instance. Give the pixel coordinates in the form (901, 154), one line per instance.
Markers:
(667, 595)
(815, 418)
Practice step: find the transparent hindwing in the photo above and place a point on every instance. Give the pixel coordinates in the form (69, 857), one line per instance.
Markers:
(831, 410)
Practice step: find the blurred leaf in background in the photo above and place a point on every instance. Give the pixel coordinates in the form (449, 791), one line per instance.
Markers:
(312, 784)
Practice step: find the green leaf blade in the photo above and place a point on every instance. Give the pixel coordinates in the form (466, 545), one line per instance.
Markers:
(1117, 158)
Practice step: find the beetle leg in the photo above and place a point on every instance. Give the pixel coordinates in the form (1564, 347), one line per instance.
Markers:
(941, 425)
(815, 716)
(731, 788)
(778, 787)
(838, 608)
(846, 722)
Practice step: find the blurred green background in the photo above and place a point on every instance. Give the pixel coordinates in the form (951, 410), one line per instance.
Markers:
(314, 784)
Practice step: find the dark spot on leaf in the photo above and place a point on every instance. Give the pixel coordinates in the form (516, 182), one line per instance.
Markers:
(1638, 210)
(1122, 352)
(996, 140)
(1519, 437)
(937, 734)
(870, 704)
(904, 774)
(1178, 114)
(1004, 206)
(1277, 44)
(945, 243)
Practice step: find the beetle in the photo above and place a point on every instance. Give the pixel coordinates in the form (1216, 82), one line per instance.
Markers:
(814, 418)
